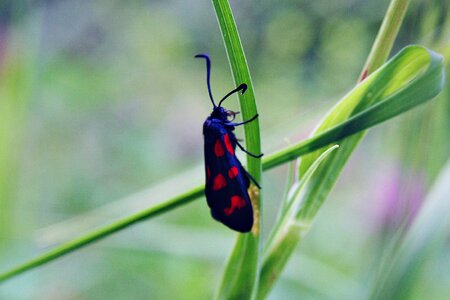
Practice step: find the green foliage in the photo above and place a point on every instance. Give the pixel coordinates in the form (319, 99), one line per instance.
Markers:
(416, 67)
(412, 77)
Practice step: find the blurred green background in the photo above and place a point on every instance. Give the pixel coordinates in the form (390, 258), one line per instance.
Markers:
(101, 109)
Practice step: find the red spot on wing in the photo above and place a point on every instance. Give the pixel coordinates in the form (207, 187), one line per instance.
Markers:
(228, 145)
(233, 172)
(219, 182)
(218, 149)
(236, 202)
(208, 174)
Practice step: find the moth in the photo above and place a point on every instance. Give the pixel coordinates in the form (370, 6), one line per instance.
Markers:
(227, 181)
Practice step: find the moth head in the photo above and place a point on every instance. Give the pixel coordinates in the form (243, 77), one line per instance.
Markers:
(223, 114)
(220, 113)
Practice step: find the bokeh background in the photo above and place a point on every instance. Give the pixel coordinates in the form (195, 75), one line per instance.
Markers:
(101, 109)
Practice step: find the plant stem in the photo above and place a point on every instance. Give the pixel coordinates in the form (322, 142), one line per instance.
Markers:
(386, 36)
(240, 278)
(100, 233)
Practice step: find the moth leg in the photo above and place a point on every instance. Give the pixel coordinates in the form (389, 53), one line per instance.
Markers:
(251, 154)
(252, 179)
(245, 122)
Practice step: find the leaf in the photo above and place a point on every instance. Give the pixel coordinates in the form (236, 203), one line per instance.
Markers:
(410, 78)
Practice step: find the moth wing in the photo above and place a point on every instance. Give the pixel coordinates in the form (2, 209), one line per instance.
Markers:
(227, 181)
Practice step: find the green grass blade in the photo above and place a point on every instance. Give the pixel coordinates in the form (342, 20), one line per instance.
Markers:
(240, 277)
(290, 207)
(287, 232)
(279, 254)
(100, 233)
(402, 268)
(412, 77)
(386, 36)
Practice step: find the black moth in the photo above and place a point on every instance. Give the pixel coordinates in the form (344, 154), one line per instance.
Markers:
(227, 182)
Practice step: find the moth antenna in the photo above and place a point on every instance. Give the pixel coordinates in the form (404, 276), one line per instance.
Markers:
(208, 75)
(242, 87)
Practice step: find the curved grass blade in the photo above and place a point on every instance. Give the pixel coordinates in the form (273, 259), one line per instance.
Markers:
(410, 78)
(413, 90)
